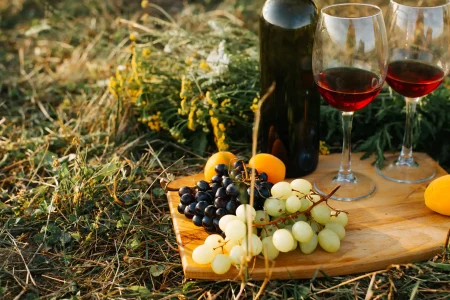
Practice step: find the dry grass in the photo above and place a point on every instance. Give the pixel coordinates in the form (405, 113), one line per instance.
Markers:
(82, 213)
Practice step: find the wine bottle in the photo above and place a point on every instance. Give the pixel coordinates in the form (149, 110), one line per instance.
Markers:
(290, 116)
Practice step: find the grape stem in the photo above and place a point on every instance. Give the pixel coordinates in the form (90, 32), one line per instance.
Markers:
(291, 216)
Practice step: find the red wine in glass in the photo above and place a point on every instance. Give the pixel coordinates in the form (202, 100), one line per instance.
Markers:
(412, 78)
(348, 89)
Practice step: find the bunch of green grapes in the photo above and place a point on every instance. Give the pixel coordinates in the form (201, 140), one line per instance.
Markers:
(294, 217)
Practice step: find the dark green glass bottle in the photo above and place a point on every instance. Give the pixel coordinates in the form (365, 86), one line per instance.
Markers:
(290, 117)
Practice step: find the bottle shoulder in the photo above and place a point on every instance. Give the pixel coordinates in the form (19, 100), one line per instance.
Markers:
(290, 14)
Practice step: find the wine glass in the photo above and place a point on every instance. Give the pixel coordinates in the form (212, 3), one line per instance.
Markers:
(349, 65)
(418, 37)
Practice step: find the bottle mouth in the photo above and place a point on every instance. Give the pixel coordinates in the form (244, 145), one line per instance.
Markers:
(351, 11)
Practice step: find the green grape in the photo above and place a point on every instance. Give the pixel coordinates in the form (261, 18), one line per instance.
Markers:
(309, 247)
(281, 190)
(261, 217)
(302, 187)
(283, 240)
(269, 250)
(255, 247)
(245, 210)
(203, 254)
(321, 213)
(329, 240)
(223, 222)
(274, 207)
(341, 218)
(305, 204)
(236, 230)
(337, 228)
(293, 204)
(229, 244)
(268, 230)
(302, 232)
(236, 254)
(221, 264)
(301, 217)
(216, 241)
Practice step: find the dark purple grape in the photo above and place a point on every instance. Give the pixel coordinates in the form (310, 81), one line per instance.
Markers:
(210, 211)
(207, 221)
(187, 213)
(216, 222)
(256, 193)
(203, 186)
(184, 190)
(197, 220)
(268, 185)
(263, 176)
(221, 192)
(181, 208)
(210, 197)
(202, 196)
(192, 207)
(249, 172)
(187, 199)
(216, 179)
(234, 173)
(226, 181)
(211, 229)
(231, 207)
(221, 169)
(238, 166)
(264, 192)
(232, 190)
(220, 212)
(258, 203)
(200, 207)
(238, 202)
(220, 202)
(215, 187)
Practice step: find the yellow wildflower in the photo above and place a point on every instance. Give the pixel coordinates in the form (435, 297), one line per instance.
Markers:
(219, 134)
(133, 36)
(211, 112)
(225, 102)
(191, 120)
(155, 122)
(204, 66)
(254, 107)
(209, 100)
(134, 67)
(323, 148)
(189, 60)
(133, 93)
(185, 88)
(112, 86)
(144, 3)
(146, 52)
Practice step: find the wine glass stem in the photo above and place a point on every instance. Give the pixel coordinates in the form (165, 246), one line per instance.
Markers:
(406, 155)
(345, 171)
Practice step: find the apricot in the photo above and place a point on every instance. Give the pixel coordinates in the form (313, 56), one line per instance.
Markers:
(269, 164)
(222, 157)
(437, 195)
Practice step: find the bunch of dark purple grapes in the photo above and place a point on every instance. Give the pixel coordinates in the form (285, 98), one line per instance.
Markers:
(207, 202)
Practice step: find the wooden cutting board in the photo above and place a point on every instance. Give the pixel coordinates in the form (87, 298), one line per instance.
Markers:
(393, 226)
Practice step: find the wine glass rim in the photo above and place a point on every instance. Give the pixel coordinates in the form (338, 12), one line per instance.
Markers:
(379, 12)
(420, 7)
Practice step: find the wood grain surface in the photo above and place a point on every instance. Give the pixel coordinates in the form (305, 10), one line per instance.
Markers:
(393, 226)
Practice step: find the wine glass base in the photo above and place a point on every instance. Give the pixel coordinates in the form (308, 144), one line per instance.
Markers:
(416, 172)
(350, 190)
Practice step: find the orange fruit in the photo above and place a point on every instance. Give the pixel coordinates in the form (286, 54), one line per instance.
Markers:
(222, 157)
(437, 195)
(269, 164)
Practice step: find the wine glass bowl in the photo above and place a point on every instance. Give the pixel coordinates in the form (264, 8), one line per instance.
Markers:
(349, 67)
(418, 38)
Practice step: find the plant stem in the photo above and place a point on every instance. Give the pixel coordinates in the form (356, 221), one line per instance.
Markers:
(406, 155)
(345, 171)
